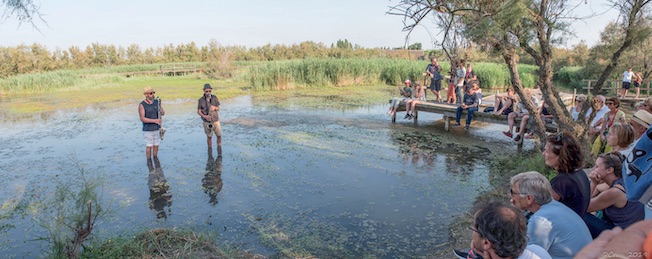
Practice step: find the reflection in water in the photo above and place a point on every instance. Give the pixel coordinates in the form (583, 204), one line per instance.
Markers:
(159, 189)
(423, 148)
(212, 181)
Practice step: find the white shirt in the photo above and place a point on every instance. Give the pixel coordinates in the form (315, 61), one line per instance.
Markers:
(534, 252)
(598, 115)
(627, 76)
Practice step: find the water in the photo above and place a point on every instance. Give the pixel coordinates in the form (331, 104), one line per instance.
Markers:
(330, 183)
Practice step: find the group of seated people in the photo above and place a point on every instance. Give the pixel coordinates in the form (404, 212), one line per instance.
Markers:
(563, 216)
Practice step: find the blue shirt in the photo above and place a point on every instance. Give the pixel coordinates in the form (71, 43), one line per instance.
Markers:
(637, 168)
(559, 230)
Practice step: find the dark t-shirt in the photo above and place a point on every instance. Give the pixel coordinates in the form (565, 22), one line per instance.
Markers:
(434, 70)
(151, 112)
(470, 99)
(203, 105)
(574, 189)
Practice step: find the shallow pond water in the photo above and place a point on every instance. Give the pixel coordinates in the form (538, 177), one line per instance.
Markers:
(329, 183)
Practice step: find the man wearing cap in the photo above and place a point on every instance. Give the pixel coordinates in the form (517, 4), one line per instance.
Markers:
(148, 111)
(207, 107)
(637, 167)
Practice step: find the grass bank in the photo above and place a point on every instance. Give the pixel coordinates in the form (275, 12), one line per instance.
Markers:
(163, 243)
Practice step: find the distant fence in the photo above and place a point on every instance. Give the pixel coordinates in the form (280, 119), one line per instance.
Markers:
(169, 70)
(615, 85)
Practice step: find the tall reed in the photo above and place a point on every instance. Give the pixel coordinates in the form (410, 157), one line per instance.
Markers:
(280, 75)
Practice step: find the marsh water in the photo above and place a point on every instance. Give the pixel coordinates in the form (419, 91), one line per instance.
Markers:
(326, 182)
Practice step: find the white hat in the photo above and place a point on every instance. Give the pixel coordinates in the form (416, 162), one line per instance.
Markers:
(643, 117)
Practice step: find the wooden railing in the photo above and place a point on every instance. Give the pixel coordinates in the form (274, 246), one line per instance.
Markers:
(616, 84)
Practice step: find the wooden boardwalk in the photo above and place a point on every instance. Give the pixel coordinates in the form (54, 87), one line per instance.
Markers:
(449, 111)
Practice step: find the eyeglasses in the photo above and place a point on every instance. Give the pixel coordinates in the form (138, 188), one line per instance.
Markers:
(512, 193)
(609, 103)
(475, 230)
(578, 101)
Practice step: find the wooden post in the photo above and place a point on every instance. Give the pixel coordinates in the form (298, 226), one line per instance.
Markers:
(447, 123)
(574, 96)
(416, 114)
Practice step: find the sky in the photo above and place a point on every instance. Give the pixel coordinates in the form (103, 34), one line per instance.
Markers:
(154, 23)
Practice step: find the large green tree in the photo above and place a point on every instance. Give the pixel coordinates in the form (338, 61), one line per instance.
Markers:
(510, 26)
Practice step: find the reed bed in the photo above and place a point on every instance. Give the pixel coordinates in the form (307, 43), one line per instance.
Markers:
(281, 75)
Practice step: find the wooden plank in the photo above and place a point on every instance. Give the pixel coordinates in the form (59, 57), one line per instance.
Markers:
(449, 111)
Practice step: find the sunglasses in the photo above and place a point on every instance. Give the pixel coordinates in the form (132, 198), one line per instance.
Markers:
(207, 91)
(609, 103)
(150, 93)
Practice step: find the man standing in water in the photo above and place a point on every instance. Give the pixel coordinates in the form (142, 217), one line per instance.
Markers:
(207, 107)
(149, 111)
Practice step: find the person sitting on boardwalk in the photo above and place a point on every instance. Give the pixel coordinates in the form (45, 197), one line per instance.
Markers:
(411, 104)
(598, 102)
(546, 117)
(553, 226)
(470, 104)
(575, 111)
(618, 211)
(406, 93)
(500, 231)
(520, 112)
(504, 103)
(614, 116)
(645, 105)
(433, 70)
(570, 186)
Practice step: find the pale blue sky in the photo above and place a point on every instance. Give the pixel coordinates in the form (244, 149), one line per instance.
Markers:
(252, 23)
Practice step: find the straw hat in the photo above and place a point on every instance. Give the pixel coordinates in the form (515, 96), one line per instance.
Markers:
(643, 117)
(148, 89)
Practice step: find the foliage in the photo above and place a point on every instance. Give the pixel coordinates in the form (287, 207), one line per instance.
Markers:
(291, 74)
(504, 167)
(164, 243)
(70, 213)
(571, 77)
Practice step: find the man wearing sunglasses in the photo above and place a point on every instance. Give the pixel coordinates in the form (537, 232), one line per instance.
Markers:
(207, 107)
(148, 111)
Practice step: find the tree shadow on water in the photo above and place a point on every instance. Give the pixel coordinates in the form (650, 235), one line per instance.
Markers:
(428, 148)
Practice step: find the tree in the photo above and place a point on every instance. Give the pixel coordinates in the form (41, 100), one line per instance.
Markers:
(415, 46)
(22, 10)
(533, 26)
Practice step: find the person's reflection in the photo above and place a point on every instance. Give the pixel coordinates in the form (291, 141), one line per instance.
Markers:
(212, 181)
(159, 189)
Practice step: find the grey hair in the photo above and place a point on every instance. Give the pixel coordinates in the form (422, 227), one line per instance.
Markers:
(601, 98)
(535, 184)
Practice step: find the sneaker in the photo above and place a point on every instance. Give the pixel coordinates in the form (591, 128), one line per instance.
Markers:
(508, 134)
(517, 138)
(407, 115)
(466, 254)
(466, 127)
(457, 124)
